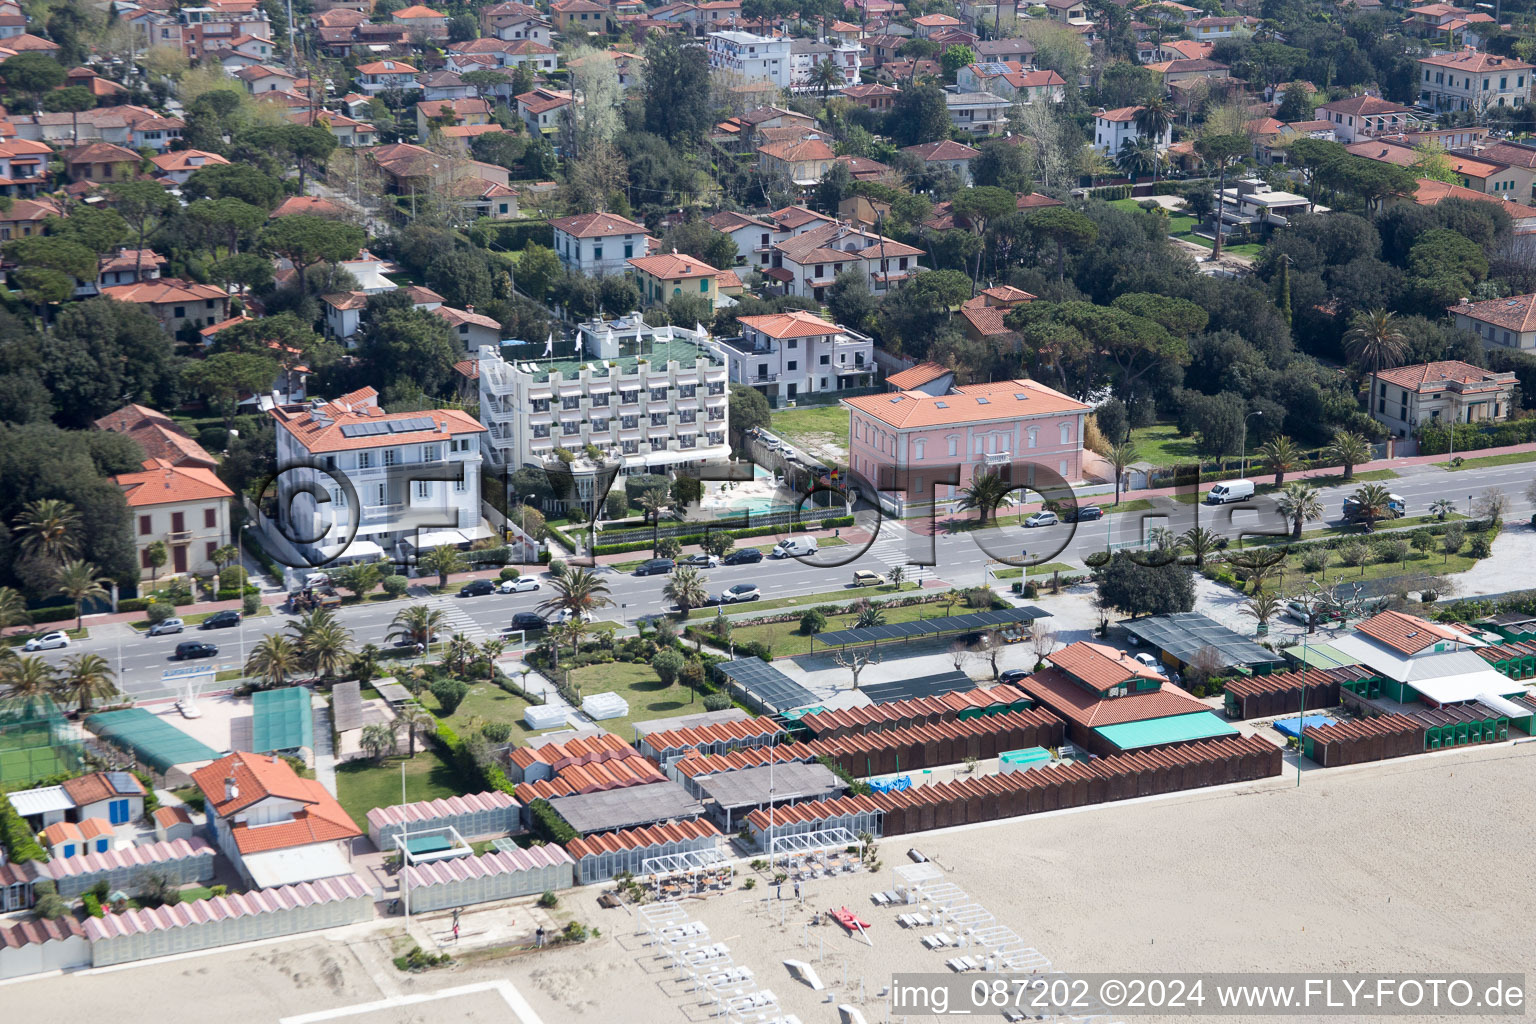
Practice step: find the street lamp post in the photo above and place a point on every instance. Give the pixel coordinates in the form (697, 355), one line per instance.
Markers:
(1256, 412)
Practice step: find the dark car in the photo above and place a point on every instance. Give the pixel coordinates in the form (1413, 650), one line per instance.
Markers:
(746, 556)
(655, 567)
(1086, 514)
(221, 620)
(529, 620)
(1013, 675)
(477, 588)
(195, 649)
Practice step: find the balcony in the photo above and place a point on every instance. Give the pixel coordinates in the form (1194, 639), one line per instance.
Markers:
(178, 536)
(997, 458)
(374, 513)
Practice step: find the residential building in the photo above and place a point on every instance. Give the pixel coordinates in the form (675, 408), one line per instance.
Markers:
(792, 354)
(415, 170)
(1012, 81)
(874, 96)
(980, 113)
(1069, 12)
(800, 162)
(901, 446)
(116, 798)
(984, 314)
(1432, 193)
(1251, 201)
(928, 377)
(100, 162)
(23, 167)
(1520, 158)
(1419, 661)
(931, 24)
(809, 263)
(542, 109)
(175, 302)
(1208, 29)
(1432, 19)
(862, 168)
(1473, 81)
(1505, 323)
(514, 21)
(463, 111)
(946, 154)
(1363, 116)
(276, 827)
(26, 217)
(648, 399)
(504, 53)
(403, 481)
(185, 508)
(159, 436)
(471, 328)
(1405, 397)
(445, 85)
(1112, 129)
(577, 19)
(178, 165)
(344, 313)
(667, 275)
(1172, 72)
(599, 243)
(806, 55)
(1021, 51)
(751, 56)
(350, 133)
(156, 133)
(1477, 173)
(126, 266)
(422, 21)
(755, 237)
(260, 79)
(379, 76)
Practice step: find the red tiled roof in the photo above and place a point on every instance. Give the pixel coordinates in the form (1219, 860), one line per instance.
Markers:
(62, 832)
(1432, 193)
(1100, 666)
(182, 160)
(455, 317)
(1406, 633)
(946, 149)
(640, 838)
(916, 376)
(597, 225)
(1428, 377)
(745, 732)
(157, 435)
(164, 290)
(1468, 60)
(258, 777)
(1516, 313)
(670, 265)
(596, 777)
(165, 483)
(581, 750)
(315, 206)
(324, 433)
(988, 320)
(795, 323)
(1365, 106)
(1057, 691)
(166, 817)
(1005, 400)
(93, 788)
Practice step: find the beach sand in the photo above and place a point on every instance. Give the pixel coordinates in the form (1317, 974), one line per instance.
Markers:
(1418, 864)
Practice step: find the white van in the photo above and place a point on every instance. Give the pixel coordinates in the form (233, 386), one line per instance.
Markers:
(794, 547)
(1228, 491)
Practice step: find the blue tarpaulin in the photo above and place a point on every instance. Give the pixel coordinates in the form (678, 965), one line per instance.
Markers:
(1290, 727)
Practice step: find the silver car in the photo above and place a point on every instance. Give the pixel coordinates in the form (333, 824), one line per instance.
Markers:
(166, 626)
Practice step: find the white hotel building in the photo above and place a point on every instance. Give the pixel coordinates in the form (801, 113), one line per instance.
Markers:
(385, 457)
(652, 400)
(752, 56)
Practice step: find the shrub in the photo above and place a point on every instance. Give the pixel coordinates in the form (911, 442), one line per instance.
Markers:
(218, 890)
(812, 621)
(92, 905)
(557, 567)
(574, 931)
(549, 899)
(509, 573)
(395, 586)
(450, 693)
(692, 674)
(717, 701)
(1351, 554)
(101, 890)
(250, 604)
(667, 665)
(50, 906)
(232, 577)
(1481, 545)
(1314, 561)
(159, 611)
(215, 439)
(548, 825)
(497, 732)
(20, 844)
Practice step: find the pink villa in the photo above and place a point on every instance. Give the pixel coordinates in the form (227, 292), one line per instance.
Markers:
(1008, 426)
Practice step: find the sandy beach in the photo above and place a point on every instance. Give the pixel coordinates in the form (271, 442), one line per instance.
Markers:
(1414, 864)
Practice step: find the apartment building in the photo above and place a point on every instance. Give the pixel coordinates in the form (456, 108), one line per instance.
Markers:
(808, 263)
(392, 482)
(1474, 172)
(806, 55)
(1471, 80)
(599, 243)
(1009, 427)
(1405, 397)
(645, 399)
(796, 353)
(183, 507)
(751, 56)
(980, 113)
(1507, 323)
(1112, 129)
(1360, 117)
(755, 237)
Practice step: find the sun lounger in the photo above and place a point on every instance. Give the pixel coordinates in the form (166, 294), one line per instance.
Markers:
(938, 940)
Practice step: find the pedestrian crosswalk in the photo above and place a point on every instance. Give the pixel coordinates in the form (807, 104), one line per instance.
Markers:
(893, 547)
(458, 621)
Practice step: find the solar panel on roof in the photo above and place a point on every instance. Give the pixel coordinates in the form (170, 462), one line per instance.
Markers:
(1184, 634)
(766, 684)
(123, 782)
(923, 686)
(413, 424)
(930, 627)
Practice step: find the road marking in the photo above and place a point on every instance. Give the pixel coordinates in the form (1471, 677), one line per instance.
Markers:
(514, 1000)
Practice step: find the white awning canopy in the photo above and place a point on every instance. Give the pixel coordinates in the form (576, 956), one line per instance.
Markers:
(296, 864)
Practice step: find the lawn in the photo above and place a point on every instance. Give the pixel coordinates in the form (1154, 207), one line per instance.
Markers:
(806, 600)
(1432, 563)
(786, 639)
(1162, 445)
(194, 618)
(817, 429)
(1182, 226)
(1035, 570)
(362, 785)
(1507, 459)
(639, 685)
(1268, 487)
(486, 701)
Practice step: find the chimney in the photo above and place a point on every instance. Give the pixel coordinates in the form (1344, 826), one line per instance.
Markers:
(231, 790)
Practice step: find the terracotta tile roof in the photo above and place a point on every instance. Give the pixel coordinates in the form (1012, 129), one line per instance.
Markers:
(323, 821)
(167, 817)
(315, 206)
(165, 483)
(596, 777)
(31, 210)
(183, 160)
(915, 376)
(469, 368)
(1406, 633)
(1365, 106)
(541, 100)
(323, 433)
(157, 435)
(792, 217)
(1100, 666)
(729, 220)
(795, 323)
(729, 279)
(1516, 313)
(94, 828)
(258, 777)
(862, 91)
(38, 931)
(935, 20)
(1180, 67)
(470, 131)
(62, 832)
(1036, 201)
(1004, 400)
(417, 11)
(386, 67)
(988, 320)
(1403, 155)
(725, 735)
(93, 788)
(670, 265)
(455, 317)
(1471, 61)
(1432, 193)
(946, 149)
(597, 225)
(456, 108)
(639, 838)
(127, 259)
(792, 151)
(98, 152)
(581, 750)
(1310, 126)
(1119, 114)
(1057, 691)
(345, 300)
(1507, 153)
(421, 294)
(1429, 377)
(163, 291)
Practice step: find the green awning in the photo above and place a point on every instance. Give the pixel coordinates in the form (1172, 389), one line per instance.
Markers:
(151, 739)
(1319, 656)
(1156, 732)
(282, 720)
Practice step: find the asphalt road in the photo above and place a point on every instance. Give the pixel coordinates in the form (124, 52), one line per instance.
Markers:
(928, 551)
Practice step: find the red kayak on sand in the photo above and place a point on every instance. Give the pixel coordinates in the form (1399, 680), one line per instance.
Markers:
(848, 919)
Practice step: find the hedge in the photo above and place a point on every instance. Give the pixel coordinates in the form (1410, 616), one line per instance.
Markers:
(1435, 440)
(1109, 193)
(465, 764)
(698, 538)
(750, 648)
(134, 604)
(512, 236)
(548, 825)
(20, 844)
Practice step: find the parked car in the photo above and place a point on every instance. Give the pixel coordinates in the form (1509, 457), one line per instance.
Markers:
(792, 547)
(47, 642)
(166, 626)
(529, 621)
(746, 556)
(477, 588)
(1152, 663)
(406, 641)
(700, 561)
(1013, 675)
(1041, 519)
(868, 578)
(195, 649)
(1297, 612)
(1228, 491)
(221, 620)
(740, 592)
(1086, 514)
(521, 585)
(656, 567)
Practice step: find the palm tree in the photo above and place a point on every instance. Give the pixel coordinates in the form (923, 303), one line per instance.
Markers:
(417, 624)
(1154, 119)
(226, 555)
(442, 560)
(490, 651)
(28, 676)
(1259, 563)
(77, 580)
(1120, 456)
(413, 718)
(652, 502)
(460, 652)
(1263, 606)
(572, 631)
(580, 592)
(324, 644)
(685, 588)
(1282, 456)
(1199, 541)
(365, 664)
(376, 739)
(869, 615)
(86, 677)
(1349, 450)
(1138, 158)
(985, 493)
(1373, 341)
(13, 608)
(274, 659)
(1373, 503)
(1300, 504)
(827, 75)
(49, 529)
(1439, 508)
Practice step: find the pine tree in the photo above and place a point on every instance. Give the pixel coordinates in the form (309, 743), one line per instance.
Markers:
(1283, 290)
